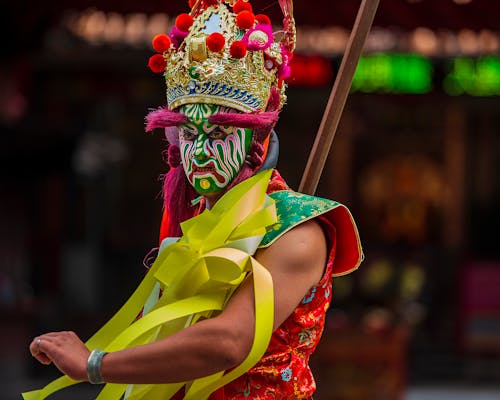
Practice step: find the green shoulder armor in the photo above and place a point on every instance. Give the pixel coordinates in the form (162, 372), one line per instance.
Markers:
(294, 208)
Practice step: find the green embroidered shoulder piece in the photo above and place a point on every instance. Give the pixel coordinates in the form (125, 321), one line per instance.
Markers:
(294, 208)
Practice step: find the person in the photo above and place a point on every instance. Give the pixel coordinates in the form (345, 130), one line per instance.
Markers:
(225, 72)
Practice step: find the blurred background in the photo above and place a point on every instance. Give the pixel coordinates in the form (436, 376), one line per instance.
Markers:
(415, 159)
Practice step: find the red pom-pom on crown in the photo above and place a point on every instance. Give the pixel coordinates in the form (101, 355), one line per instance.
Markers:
(241, 5)
(238, 49)
(245, 19)
(183, 22)
(157, 63)
(215, 42)
(263, 19)
(161, 43)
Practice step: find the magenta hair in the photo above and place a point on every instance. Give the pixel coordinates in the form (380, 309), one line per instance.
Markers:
(177, 197)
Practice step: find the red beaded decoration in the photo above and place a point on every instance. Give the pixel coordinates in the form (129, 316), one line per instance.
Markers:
(183, 22)
(161, 43)
(215, 42)
(157, 63)
(238, 49)
(245, 19)
(241, 5)
(263, 19)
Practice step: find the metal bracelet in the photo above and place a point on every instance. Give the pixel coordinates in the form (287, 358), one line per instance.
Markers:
(94, 366)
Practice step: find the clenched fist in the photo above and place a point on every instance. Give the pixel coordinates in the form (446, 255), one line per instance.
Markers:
(65, 349)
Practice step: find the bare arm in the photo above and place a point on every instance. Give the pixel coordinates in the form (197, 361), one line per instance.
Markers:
(296, 262)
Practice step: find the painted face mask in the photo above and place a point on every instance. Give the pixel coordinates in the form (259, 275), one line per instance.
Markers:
(212, 155)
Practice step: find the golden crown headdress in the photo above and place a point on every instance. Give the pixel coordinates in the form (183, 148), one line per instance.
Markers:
(222, 53)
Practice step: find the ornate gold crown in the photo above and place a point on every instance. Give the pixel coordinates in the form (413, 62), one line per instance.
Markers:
(224, 54)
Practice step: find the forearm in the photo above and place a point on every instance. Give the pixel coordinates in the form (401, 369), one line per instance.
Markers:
(197, 351)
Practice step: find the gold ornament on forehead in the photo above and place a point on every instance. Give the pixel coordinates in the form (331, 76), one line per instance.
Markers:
(198, 49)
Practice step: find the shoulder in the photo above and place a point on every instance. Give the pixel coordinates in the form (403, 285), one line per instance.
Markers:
(303, 248)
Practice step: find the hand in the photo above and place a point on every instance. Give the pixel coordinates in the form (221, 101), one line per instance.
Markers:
(65, 349)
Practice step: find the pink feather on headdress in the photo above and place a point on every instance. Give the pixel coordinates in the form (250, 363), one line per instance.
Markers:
(251, 121)
(163, 118)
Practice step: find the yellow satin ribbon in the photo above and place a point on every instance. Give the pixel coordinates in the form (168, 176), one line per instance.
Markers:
(198, 274)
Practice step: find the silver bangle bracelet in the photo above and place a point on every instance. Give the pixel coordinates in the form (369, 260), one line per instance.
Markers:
(94, 366)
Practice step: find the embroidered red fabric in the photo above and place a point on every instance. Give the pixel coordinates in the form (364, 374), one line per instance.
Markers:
(283, 372)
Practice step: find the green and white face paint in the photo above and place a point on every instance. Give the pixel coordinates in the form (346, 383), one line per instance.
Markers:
(212, 155)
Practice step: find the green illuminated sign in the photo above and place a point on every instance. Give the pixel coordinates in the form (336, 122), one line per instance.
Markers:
(393, 73)
(476, 77)
(411, 73)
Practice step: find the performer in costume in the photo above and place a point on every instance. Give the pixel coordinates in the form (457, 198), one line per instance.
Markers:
(225, 72)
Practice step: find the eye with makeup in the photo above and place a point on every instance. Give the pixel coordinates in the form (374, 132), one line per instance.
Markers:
(188, 133)
(220, 132)
(217, 133)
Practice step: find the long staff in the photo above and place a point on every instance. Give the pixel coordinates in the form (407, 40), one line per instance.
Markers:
(338, 96)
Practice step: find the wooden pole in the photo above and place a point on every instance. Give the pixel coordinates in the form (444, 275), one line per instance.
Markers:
(338, 96)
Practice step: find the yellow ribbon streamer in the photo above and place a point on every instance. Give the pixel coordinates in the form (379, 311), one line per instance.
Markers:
(198, 274)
